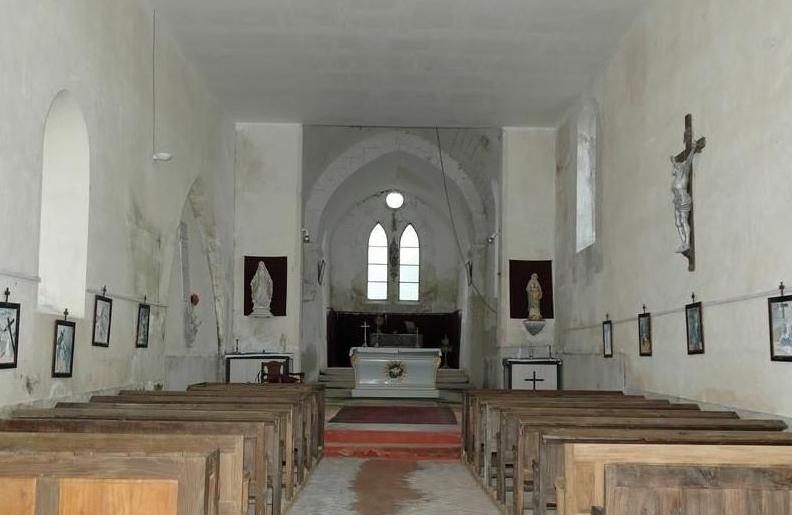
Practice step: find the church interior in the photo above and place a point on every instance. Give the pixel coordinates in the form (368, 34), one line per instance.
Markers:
(395, 258)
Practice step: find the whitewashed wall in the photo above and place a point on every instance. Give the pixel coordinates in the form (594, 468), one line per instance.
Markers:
(728, 65)
(101, 53)
(268, 223)
(527, 231)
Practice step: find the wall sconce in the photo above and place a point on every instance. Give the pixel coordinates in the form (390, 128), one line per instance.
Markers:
(306, 237)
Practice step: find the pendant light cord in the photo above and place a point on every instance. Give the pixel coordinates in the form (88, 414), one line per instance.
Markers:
(454, 228)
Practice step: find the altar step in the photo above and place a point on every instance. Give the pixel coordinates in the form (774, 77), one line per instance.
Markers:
(339, 381)
(394, 445)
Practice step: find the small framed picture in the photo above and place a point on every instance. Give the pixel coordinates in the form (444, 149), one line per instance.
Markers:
(63, 349)
(9, 334)
(103, 315)
(645, 334)
(143, 319)
(607, 339)
(695, 328)
(780, 316)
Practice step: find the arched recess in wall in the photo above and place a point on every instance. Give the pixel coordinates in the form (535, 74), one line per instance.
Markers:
(201, 205)
(65, 203)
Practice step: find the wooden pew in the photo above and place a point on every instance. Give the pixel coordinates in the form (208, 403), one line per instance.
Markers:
(506, 440)
(527, 429)
(297, 459)
(470, 399)
(233, 481)
(68, 483)
(304, 417)
(550, 464)
(583, 485)
(697, 490)
(317, 390)
(278, 393)
(477, 414)
(489, 419)
(263, 433)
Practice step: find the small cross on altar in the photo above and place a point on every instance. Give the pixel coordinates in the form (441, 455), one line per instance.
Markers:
(365, 327)
(534, 380)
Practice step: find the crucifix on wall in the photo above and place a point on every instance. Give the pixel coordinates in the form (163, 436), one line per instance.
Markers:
(682, 188)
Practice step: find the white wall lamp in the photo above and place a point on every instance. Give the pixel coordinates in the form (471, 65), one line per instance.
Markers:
(156, 156)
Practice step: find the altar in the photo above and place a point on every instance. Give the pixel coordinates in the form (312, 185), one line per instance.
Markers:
(395, 372)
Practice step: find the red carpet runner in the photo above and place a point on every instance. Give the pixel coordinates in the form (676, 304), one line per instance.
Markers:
(395, 415)
(395, 445)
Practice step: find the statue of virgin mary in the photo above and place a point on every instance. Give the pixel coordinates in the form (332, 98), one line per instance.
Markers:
(261, 292)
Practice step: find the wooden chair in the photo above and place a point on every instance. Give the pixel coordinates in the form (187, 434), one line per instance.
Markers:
(274, 372)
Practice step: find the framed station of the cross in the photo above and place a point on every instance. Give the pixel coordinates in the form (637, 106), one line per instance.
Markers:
(780, 317)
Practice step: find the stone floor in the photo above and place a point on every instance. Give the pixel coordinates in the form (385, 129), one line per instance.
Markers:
(350, 486)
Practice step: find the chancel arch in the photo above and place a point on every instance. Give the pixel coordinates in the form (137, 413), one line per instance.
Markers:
(65, 204)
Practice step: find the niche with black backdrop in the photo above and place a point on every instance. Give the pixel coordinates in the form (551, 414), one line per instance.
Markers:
(519, 275)
(278, 270)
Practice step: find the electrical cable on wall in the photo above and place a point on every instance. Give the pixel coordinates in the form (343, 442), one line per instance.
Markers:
(453, 225)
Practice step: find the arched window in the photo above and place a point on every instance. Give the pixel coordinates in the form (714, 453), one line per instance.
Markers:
(65, 183)
(409, 264)
(585, 227)
(378, 264)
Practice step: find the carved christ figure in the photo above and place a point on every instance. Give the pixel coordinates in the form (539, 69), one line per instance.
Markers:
(534, 292)
(261, 291)
(683, 203)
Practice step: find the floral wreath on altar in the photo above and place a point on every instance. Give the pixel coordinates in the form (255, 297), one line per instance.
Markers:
(395, 371)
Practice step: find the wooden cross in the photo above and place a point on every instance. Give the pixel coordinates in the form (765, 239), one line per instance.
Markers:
(697, 147)
(7, 294)
(534, 380)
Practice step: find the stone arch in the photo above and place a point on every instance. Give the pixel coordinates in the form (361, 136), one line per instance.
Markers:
(201, 205)
(370, 149)
(65, 208)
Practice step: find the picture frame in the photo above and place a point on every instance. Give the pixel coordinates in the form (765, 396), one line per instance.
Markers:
(143, 326)
(9, 334)
(607, 339)
(645, 334)
(694, 324)
(63, 348)
(779, 313)
(103, 317)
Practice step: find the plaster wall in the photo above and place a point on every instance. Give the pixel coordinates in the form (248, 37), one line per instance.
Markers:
(101, 53)
(268, 223)
(527, 228)
(729, 67)
(190, 362)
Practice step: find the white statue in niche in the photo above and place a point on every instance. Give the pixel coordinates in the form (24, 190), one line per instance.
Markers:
(534, 292)
(683, 202)
(261, 292)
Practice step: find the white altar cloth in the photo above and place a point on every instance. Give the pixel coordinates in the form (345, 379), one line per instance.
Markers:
(395, 372)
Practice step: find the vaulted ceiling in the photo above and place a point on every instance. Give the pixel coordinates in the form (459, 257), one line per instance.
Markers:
(399, 62)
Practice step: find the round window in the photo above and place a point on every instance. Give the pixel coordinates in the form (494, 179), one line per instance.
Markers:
(394, 200)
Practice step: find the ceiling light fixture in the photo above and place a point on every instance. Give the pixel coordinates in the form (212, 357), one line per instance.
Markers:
(156, 156)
